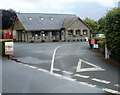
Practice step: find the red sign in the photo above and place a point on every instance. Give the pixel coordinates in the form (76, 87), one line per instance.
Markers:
(8, 35)
(92, 41)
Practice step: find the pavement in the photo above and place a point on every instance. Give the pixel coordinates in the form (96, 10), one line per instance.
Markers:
(73, 61)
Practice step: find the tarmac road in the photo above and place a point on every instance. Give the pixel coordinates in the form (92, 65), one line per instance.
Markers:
(73, 60)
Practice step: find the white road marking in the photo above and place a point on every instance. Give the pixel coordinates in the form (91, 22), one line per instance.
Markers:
(56, 69)
(95, 68)
(90, 69)
(102, 81)
(26, 65)
(111, 91)
(85, 83)
(69, 79)
(43, 70)
(53, 59)
(83, 76)
(58, 75)
(117, 85)
(32, 67)
(67, 72)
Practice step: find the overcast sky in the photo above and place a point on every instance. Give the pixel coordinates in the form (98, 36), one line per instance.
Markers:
(94, 9)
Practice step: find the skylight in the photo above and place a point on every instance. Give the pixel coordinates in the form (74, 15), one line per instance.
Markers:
(41, 18)
(30, 18)
(51, 18)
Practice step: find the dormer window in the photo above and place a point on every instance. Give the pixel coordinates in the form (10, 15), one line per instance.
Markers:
(30, 18)
(51, 18)
(41, 18)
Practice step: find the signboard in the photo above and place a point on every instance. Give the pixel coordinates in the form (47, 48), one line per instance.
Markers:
(8, 35)
(92, 41)
(9, 48)
(95, 45)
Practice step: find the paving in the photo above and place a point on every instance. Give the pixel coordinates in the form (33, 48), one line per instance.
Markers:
(73, 61)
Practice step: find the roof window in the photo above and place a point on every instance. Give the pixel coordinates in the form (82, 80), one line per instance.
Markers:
(51, 18)
(30, 18)
(41, 18)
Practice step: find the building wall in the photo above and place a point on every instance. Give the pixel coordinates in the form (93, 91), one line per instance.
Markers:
(76, 31)
(18, 25)
(22, 35)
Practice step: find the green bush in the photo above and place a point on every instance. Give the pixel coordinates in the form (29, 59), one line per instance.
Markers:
(99, 38)
(101, 45)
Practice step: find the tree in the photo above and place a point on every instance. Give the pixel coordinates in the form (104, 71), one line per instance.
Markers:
(112, 32)
(102, 24)
(93, 24)
(7, 18)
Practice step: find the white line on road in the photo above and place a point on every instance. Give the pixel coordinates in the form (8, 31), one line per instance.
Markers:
(67, 72)
(26, 65)
(53, 58)
(94, 68)
(117, 85)
(43, 70)
(56, 69)
(85, 83)
(90, 69)
(69, 79)
(83, 76)
(58, 75)
(102, 81)
(111, 91)
(32, 67)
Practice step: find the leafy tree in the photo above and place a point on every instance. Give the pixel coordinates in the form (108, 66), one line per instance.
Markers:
(93, 24)
(102, 24)
(113, 32)
(7, 18)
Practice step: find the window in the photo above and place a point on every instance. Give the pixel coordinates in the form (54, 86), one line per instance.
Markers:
(41, 18)
(85, 32)
(51, 18)
(70, 32)
(30, 18)
(78, 32)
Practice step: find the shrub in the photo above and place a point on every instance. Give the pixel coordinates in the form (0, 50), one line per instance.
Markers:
(101, 44)
(99, 38)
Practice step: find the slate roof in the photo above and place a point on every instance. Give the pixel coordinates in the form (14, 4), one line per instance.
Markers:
(68, 21)
(33, 21)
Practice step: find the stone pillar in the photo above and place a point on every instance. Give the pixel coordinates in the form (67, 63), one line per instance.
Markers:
(16, 36)
(62, 35)
(74, 32)
(49, 36)
(58, 35)
(66, 35)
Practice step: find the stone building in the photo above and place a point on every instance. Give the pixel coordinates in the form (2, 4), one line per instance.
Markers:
(39, 27)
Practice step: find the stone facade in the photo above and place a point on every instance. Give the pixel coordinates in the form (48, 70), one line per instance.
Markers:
(73, 29)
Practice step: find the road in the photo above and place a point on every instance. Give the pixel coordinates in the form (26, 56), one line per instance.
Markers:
(73, 61)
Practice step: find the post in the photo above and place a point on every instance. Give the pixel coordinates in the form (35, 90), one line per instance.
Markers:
(106, 52)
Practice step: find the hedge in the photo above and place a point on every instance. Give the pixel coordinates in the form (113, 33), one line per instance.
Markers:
(101, 44)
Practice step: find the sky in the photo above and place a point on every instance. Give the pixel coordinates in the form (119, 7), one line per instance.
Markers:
(93, 9)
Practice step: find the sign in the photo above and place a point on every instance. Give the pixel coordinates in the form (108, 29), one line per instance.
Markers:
(95, 45)
(92, 41)
(9, 48)
(8, 35)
